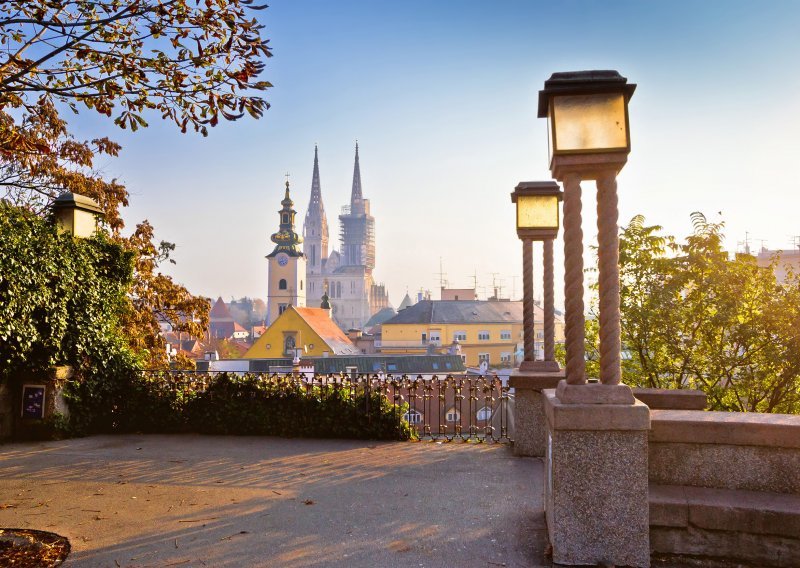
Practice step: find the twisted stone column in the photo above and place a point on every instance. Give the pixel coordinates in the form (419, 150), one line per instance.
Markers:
(573, 281)
(527, 300)
(549, 308)
(608, 269)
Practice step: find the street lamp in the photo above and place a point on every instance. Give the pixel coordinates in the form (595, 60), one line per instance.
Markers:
(594, 430)
(589, 139)
(76, 214)
(587, 115)
(537, 220)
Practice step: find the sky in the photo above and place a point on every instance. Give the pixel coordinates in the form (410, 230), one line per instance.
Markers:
(442, 97)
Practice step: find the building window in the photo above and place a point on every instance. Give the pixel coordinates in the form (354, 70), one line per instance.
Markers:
(282, 308)
(453, 415)
(301, 284)
(288, 345)
(484, 413)
(282, 284)
(483, 336)
(505, 335)
(413, 417)
(424, 338)
(460, 336)
(436, 338)
(483, 358)
(285, 218)
(505, 357)
(464, 359)
(391, 367)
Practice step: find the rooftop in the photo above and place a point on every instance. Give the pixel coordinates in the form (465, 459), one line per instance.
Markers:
(461, 311)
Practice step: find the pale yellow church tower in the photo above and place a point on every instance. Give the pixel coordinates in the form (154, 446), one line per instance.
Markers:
(287, 265)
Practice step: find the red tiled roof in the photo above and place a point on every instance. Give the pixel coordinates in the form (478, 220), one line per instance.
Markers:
(319, 320)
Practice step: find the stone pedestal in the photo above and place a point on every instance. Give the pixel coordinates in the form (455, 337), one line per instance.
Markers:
(596, 487)
(530, 424)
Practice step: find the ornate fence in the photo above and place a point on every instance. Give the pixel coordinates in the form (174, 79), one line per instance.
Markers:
(448, 408)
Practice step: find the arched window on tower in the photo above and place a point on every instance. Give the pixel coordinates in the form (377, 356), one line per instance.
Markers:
(338, 289)
(282, 284)
(301, 284)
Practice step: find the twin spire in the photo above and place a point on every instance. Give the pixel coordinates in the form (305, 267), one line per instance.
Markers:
(316, 209)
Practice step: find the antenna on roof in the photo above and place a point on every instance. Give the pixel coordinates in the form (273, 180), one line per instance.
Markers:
(442, 276)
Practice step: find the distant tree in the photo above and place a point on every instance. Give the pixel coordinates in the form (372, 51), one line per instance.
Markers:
(190, 63)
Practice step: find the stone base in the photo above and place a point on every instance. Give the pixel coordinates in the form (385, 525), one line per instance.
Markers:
(530, 424)
(596, 488)
(594, 393)
(539, 366)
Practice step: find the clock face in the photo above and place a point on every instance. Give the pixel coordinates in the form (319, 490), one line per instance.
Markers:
(283, 259)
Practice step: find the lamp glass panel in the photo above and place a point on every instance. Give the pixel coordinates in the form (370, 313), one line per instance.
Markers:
(537, 212)
(588, 123)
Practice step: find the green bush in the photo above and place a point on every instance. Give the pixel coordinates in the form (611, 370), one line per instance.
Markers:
(231, 404)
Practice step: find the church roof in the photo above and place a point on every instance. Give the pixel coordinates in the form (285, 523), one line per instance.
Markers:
(350, 269)
(220, 312)
(286, 239)
(462, 311)
(405, 303)
(381, 316)
(320, 321)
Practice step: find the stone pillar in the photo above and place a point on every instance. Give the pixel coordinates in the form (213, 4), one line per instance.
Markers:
(549, 301)
(530, 425)
(596, 486)
(573, 281)
(529, 340)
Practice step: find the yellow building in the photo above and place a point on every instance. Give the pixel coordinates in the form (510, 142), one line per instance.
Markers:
(489, 331)
(310, 329)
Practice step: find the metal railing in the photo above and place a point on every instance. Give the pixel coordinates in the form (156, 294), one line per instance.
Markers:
(439, 408)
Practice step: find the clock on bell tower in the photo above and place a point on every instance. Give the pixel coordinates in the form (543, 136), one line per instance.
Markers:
(287, 265)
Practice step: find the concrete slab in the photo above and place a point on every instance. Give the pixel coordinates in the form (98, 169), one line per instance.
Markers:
(191, 501)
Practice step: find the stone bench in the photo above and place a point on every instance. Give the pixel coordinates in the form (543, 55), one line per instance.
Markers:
(725, 485)
(745, 526)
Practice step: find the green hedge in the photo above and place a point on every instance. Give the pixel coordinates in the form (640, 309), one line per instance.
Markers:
(232, 404)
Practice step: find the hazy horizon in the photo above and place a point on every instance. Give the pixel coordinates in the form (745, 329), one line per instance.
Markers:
(442, 99)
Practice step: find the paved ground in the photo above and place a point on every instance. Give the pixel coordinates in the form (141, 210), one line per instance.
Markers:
(135, 501)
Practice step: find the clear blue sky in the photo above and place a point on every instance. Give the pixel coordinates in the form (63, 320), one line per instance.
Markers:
(442, 99)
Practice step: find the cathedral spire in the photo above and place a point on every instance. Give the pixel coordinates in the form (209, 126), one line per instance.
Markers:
(316, 189)
(356, 195)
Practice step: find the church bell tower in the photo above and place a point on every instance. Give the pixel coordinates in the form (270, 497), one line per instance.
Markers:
(287, 264)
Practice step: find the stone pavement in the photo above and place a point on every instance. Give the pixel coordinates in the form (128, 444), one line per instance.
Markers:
(191, 501)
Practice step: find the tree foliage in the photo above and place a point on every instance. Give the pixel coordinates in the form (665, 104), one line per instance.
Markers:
(693, 317)
(191, 63)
